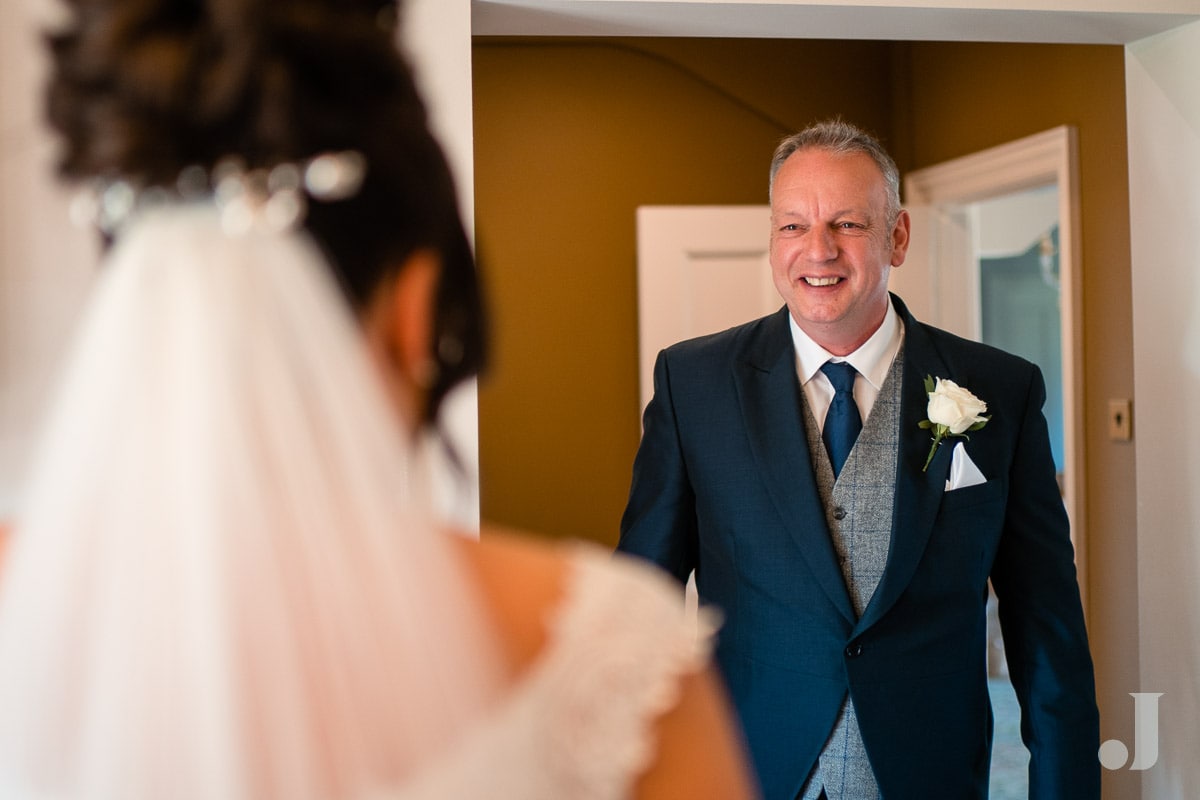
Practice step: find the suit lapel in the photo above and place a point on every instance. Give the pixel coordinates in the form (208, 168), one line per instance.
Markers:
(918, 494)
(769, 392)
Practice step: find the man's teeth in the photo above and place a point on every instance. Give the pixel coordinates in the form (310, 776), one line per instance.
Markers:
(821, 281)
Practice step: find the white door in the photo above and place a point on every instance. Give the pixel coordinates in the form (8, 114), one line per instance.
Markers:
(701, 269)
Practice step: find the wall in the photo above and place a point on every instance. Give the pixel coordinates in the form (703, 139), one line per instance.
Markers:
(570, 137)
(1164, 168)
(436, 36)
(46, 264)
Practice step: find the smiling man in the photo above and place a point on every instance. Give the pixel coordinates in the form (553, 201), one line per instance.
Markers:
(789, 463)
(834, 240)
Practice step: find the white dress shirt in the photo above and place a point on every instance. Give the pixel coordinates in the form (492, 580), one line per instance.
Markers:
(872, 360)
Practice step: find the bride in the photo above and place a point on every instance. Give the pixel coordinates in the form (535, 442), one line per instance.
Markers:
(225, 581)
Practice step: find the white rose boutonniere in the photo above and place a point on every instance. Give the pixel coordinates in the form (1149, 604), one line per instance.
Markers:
(953, 411)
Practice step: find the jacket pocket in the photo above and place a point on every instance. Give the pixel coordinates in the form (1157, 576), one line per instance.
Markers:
(992, 491)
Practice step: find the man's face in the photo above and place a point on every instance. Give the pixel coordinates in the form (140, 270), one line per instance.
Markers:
(831, 246)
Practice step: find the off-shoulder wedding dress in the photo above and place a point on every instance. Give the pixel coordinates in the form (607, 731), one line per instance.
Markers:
(222, 583)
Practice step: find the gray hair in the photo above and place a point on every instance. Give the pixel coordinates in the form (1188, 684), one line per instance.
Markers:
(843, 138)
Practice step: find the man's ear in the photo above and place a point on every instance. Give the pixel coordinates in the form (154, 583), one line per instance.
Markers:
(900, 233)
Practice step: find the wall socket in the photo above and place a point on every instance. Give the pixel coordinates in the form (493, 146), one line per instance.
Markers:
(1120, 420)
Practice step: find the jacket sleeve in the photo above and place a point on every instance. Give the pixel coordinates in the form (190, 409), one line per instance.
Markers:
(1041, 618)
(659, 523)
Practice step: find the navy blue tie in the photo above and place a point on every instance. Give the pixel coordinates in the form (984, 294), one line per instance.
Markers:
(843, 422)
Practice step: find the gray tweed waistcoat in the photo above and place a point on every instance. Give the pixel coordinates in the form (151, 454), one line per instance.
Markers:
(858, 510)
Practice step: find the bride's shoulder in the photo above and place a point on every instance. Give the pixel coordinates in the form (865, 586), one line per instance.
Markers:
(525, 582)
(564, 612)
(521, 579)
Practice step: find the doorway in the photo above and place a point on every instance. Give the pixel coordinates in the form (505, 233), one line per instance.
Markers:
(1010, 205)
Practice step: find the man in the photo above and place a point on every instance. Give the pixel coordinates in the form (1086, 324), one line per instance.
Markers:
(849, 554)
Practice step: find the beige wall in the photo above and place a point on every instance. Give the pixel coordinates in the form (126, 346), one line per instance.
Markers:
(436, 34)
(46, 264)
(1164, 169)
(572, 135)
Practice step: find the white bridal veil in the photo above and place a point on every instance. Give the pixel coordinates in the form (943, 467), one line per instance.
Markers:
(221, 584)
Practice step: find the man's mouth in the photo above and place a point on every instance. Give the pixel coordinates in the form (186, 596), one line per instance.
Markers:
(822, 281)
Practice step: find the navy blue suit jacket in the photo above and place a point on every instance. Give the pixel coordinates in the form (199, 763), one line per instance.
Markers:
(723, 485)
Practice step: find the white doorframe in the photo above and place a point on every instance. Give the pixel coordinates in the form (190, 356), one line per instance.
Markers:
(931, 194)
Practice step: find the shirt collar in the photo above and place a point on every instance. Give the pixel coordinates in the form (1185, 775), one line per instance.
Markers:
(872, 359)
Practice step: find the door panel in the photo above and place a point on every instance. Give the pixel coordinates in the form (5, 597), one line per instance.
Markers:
(701, 269)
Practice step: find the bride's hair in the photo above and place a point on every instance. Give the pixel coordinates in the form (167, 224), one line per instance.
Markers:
(142, 89)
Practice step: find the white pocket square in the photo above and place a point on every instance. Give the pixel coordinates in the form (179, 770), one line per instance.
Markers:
(963, 472)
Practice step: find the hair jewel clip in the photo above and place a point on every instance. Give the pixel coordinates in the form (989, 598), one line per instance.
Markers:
(272, 199)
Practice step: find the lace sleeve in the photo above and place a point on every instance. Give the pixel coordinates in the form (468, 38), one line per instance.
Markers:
(620, 648)
(581, 724)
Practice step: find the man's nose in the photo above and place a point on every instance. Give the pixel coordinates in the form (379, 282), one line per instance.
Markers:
(820, 244)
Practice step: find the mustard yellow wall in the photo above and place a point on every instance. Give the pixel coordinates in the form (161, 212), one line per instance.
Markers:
(572, 135)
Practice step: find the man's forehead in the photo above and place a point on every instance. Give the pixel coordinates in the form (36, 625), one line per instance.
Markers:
(803, 160)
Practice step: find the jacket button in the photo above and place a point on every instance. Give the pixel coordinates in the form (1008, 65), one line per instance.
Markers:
(839, 512)
(854, 650)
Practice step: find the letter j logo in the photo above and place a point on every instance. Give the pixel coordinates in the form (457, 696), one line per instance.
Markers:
(1114, 753)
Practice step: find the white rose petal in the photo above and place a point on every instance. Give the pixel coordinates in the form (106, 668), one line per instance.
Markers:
(955, 407)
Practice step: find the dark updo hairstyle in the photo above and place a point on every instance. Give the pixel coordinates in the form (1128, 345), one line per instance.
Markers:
(142, 89)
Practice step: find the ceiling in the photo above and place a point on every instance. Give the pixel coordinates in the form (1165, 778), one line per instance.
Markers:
(1063, 22)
